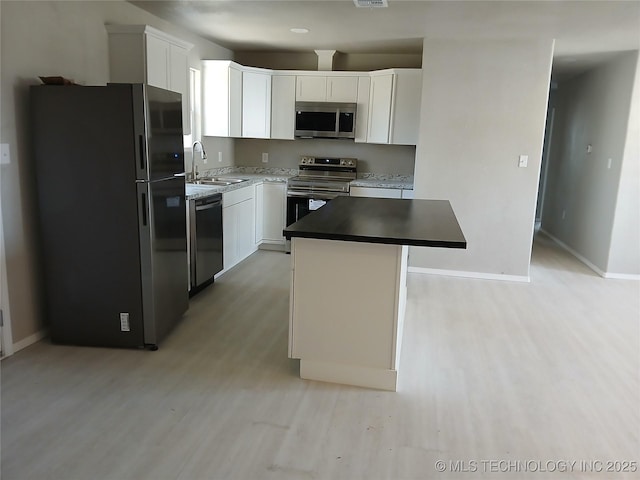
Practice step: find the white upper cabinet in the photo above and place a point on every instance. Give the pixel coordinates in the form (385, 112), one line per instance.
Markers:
(222, 100)
(143, 54)
(256, 104)
(283, 104)
(380, 97)
(405, 124)
(362, 108)
(394, 107)
(324, 88)
(311, 88)
(342, 89)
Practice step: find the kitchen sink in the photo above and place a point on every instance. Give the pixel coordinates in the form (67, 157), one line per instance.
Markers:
(217, 181)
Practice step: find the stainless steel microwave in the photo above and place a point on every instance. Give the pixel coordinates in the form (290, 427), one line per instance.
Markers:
(325, 120)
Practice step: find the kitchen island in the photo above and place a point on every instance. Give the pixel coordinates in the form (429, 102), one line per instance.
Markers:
(348, 284)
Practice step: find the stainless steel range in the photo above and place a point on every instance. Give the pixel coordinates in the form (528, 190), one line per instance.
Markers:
(318, 181)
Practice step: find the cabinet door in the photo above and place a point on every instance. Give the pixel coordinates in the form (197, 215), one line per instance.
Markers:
(380, 108)
(157, 62)
(311, 88)
(274, 205)
(229, 236)
(283, 104)
(179, 81)
(256, 105)
(362, 109)
(245, 228)
(406, 107)
(259, 209)
(342, 89)
(234, 98)
(375, 192)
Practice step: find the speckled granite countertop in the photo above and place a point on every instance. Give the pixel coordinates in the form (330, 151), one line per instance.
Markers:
(248, 173)
(382, 183)
(259, 174)
(382, 180)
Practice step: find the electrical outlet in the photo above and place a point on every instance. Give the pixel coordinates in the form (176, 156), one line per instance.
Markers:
(564, 214)
(220, 156)
(265, 157)
(608, 163)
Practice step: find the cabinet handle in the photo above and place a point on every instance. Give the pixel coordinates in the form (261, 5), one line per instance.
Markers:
(144, 209)
(141, 148)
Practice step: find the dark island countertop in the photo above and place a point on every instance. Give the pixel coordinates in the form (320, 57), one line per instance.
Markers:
(423, 223)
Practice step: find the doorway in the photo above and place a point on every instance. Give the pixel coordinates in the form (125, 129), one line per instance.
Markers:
(5, 320)
(544, 163)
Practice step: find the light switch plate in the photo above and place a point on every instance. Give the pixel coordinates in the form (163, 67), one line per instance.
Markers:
(523, 160)
(5, 155)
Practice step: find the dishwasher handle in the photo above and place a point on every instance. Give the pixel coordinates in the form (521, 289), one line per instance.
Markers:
(206, 205)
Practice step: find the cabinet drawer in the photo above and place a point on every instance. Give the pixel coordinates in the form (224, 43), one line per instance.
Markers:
(237, 196)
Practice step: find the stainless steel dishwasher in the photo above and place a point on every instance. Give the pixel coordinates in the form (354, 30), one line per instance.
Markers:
(205, 215)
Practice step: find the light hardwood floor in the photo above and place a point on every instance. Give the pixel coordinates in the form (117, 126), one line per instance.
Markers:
(531, 374)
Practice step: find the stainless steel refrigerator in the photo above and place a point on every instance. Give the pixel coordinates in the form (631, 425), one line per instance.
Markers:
(109, 167)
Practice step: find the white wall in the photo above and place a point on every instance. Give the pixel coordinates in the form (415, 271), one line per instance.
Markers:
(51, 38)
(483, 104)
(583, 195)
(624, 255)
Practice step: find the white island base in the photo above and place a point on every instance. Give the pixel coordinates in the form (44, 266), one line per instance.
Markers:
(347, 310)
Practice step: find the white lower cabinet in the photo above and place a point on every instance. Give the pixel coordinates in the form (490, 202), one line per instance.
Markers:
(375, 192)
(259, 208)
(274, 212)
(238, 225)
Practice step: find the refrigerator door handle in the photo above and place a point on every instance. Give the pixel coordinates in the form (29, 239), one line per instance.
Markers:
(144, 209)
(142, 152)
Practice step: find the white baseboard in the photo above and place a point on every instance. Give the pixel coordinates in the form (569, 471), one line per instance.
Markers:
(30, 340)
(621, 276)
(599, 271)
(273, 246)
(478, 275)
(378, 378)
(574, 253)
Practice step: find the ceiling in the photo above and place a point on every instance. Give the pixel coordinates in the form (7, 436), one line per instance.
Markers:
(586, 32)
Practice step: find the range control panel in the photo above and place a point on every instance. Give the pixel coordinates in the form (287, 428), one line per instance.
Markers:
(331, 162)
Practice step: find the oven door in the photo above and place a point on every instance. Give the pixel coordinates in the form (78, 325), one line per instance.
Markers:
(300, 204)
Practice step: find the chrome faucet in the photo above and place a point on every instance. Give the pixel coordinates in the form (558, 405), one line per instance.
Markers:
(203, 156)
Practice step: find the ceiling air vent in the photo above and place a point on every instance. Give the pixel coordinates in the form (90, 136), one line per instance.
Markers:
(371, 3)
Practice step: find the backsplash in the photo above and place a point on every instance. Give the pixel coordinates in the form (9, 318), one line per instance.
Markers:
(390, 160)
